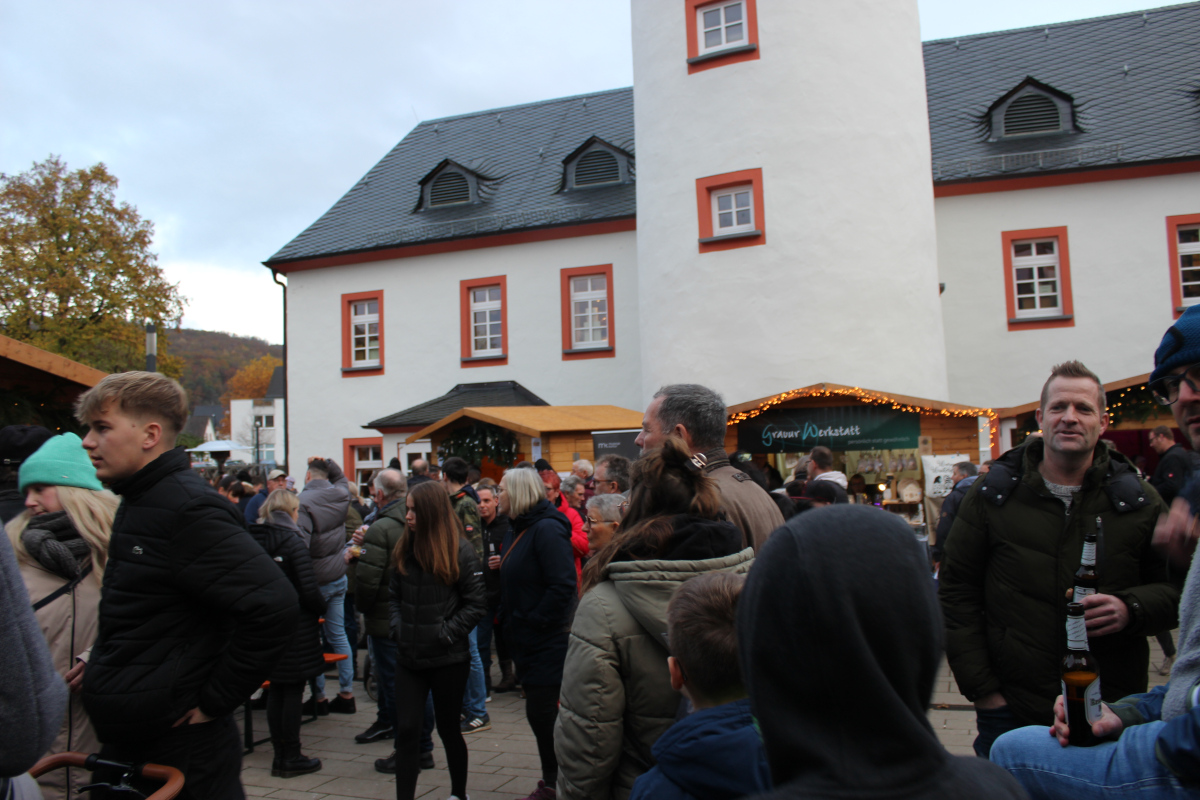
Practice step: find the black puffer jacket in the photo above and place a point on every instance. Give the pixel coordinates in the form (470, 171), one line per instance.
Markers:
(494, 533)
(303, 657)
(193, 612)
(431, 621)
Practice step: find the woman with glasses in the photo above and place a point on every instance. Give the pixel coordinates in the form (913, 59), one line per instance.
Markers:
(603, 519)
(617, 697)
(537, 583)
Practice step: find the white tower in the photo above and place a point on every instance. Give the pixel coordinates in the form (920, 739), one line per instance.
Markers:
(811, 116)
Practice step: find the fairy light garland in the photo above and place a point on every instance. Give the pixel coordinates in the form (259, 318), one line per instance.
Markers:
(874, 398)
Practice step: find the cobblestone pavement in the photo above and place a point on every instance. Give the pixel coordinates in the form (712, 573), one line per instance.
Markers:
(503, 761)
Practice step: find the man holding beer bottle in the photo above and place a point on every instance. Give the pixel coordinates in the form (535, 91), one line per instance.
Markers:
(1149, 743)
(1013, 552)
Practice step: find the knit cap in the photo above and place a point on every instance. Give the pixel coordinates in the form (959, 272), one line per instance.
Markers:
(61, 461)
(1180, 345)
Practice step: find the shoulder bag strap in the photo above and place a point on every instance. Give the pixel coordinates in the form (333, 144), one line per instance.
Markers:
(66, 588)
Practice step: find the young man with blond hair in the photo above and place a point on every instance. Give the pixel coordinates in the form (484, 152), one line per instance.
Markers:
(193, 613)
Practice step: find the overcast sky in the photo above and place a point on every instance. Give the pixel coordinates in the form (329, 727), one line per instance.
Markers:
(234, 125)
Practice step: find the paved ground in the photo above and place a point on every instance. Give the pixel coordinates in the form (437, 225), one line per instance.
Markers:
(503, 761)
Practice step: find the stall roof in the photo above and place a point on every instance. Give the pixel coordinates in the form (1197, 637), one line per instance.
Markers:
(1111, 386)
(464, 395)
(540, 420)
(19, 360)
(752, 408)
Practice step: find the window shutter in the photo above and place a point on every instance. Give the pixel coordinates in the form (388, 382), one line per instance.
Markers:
(449, 188)
(597, 166)
(1031, 113)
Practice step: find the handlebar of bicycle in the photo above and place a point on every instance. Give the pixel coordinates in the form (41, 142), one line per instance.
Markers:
(171, 777)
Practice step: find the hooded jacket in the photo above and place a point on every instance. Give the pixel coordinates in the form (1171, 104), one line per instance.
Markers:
(537, 591)
(323, 505)
(713, 754)
(304, 657)
(840, 641)
(949, 512)
(193, 612)
(1011, 559)
(616, 696)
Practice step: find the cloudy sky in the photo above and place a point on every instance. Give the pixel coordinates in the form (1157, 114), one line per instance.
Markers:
(234, 125)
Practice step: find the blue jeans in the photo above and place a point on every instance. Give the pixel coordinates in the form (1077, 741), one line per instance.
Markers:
(476, 694)
(334, 593)
(383, 662)
(1124, 768)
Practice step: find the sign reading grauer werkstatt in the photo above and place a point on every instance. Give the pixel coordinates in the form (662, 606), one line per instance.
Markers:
(798, 430)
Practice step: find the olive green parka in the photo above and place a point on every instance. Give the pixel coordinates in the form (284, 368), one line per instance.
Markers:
(374, 569)
(1009, 567)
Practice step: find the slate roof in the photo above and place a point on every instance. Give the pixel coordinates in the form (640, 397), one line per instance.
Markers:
(214, 410)
(197, 425)
(519, 153)
(1150, 113)
(464, 395)
(275, 387)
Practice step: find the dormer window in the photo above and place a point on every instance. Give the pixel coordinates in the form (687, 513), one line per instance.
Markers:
(1032, 109)
(596, 163)
(449, 188)
(449, 184)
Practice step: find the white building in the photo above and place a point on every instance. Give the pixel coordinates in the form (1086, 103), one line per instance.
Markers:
(258, 423)
(1044, 181)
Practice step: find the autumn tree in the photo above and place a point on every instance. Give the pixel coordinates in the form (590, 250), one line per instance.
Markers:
(77, 276)
(251, 381)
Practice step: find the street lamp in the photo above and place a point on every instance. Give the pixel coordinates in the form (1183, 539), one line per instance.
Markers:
(257, 435)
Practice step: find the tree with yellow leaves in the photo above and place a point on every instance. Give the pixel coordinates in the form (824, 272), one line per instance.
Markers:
(251, 381)
(77, 276)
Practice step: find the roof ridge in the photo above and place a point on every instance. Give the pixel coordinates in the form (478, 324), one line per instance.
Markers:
(485, 112)
(1064, 24)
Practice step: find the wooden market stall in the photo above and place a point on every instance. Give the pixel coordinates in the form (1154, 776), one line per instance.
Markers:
(38, 387)
(559, 434)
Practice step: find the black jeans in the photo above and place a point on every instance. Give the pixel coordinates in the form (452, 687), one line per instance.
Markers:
(208, 755)
(991, 724)
(446, 684)
(283, 717)
(541, 709)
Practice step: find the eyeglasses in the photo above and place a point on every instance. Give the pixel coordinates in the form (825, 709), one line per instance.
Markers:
(1166, 388)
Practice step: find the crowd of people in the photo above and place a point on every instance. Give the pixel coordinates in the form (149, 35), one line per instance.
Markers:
(677, 629)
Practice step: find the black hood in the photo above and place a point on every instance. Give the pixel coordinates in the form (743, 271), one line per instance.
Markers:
(840, 636)
(543, 509)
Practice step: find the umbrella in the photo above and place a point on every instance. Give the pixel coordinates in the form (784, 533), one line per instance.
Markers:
(220, 445)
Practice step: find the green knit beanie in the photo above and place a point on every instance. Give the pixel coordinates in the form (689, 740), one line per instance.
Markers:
(61, 461)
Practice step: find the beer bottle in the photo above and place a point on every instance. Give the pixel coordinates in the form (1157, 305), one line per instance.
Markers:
(1080, 681)
(1086, 579)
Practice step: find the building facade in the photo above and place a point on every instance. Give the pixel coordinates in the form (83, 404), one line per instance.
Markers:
(946, 221)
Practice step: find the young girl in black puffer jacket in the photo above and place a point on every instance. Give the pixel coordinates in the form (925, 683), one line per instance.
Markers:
(437, 598)
(280, 537)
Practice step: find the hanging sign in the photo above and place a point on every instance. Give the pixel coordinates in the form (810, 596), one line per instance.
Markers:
(798, 430)
(621, 443)
(937, 473)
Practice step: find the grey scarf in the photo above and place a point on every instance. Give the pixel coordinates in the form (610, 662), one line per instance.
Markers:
(1186, 671)
(54, 543)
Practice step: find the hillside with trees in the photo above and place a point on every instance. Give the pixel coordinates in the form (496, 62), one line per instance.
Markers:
(211, 359)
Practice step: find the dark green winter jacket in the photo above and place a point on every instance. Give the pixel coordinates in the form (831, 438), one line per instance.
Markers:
(374, 570)
(1010, 564)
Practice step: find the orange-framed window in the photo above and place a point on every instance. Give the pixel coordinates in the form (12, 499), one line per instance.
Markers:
(1183, 245)
(587, 313)
(730, 211)
(361, 458)
(484, 310)
(1037, 279)
(362, 334)
(720, 32)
